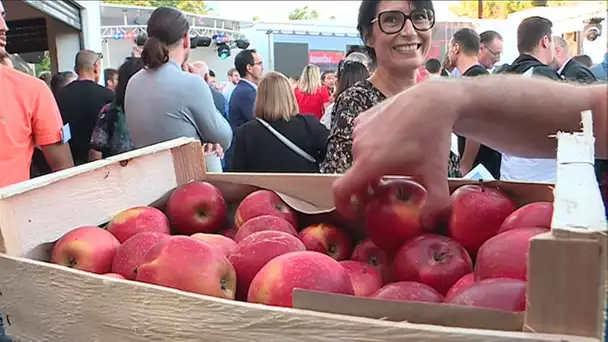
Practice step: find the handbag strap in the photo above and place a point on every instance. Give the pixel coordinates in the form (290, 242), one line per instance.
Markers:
(287, 142)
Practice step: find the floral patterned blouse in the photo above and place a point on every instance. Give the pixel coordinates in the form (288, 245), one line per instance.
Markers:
(353, 101)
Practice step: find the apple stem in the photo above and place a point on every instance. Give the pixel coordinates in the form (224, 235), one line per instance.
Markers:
(440, 256)
(374, 261)
(332, 249)
(71, 262)
(223, 285)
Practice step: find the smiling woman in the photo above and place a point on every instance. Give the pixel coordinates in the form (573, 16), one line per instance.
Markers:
(397, 36)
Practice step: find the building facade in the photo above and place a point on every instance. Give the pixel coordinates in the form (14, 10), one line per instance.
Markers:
(61, 27)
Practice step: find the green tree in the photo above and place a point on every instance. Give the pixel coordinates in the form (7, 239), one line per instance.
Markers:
(500, 9)
(256, 18)
(44, 65)
(333, 17)
(197, 7)
(303, 13)
(144, 3)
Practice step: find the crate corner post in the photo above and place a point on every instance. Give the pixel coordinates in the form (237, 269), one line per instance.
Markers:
(567, 266)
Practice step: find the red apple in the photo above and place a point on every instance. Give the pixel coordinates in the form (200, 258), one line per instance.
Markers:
(327, 239)
(506, 254)
(465, 281)
(408, 291)
(264, 202)
(188, 264)
(137, 220)
(275, 282)
(499, 294)
(366, 280)
(131, 253)
(114, 275)
(433, 260)
(367, 252)
(264, 222)
(89, 249)
(196, 207)
(254, 251)
(226, 245)
(392, 214)
(533, 215)
(229, 232)
(477, 213)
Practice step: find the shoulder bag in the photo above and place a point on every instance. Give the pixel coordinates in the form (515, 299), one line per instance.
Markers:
(287, 142)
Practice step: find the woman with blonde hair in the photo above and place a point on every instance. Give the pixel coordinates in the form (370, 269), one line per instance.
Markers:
(310, 93)
(280, 139)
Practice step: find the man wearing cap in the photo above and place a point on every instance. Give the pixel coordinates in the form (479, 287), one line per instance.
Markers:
(81, 101)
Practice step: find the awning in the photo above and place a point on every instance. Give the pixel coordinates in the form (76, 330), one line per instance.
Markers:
(66, 11)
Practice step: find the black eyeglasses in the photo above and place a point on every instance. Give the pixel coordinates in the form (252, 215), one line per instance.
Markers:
(495, 54)
(392, 22)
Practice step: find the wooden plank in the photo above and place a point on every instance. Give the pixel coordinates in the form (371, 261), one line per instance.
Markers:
(45, 302)
(566, 285)
(567, 267)
(34, 214)
(413, 312)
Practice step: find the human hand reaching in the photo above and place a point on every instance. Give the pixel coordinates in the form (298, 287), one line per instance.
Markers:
(409, 135)
(214, 148)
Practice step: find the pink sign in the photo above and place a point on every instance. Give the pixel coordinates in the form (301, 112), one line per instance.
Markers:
(325, 57)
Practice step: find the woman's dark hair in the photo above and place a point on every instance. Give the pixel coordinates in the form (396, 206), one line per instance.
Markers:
(129, 68)
(60, 80)
(367, 13)
(349, 73)
(166, 27)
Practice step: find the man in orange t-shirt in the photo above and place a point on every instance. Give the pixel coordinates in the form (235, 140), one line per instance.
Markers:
(28, 117)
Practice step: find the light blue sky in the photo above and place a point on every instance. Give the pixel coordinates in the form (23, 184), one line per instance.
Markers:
(344, 11)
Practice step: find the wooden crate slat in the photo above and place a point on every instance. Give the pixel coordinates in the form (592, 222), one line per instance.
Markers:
(65, 305)
(32, 216)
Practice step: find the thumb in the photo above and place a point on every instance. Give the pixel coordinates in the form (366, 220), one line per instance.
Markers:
(350, 190)
(437, 207)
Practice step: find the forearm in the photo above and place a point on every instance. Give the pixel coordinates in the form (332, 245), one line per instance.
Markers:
(517, 115)
(58, 156)
(95, 155)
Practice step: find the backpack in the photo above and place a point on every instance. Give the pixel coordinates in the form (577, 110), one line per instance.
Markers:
(111, 136)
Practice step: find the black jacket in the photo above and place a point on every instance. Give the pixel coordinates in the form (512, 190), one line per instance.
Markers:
(486, 156)
(524, 62)
(256, 149)
(577, 72)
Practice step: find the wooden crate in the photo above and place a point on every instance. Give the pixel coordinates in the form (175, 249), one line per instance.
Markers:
(46, 302)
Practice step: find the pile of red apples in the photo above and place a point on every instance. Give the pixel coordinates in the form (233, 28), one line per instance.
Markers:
(264, 255)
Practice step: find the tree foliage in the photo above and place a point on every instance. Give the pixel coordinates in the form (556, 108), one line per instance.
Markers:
(303, 13)
(501, 9)
(197, 7)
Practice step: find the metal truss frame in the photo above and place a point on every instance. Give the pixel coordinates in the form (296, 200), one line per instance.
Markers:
(108, 32)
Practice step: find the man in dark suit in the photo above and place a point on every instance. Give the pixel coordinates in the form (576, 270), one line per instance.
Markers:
(218, 99)
(568, 68)
(250, 67)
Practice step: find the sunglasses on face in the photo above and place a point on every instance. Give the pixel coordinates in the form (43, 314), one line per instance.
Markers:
(98, 59)
(391, 22)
